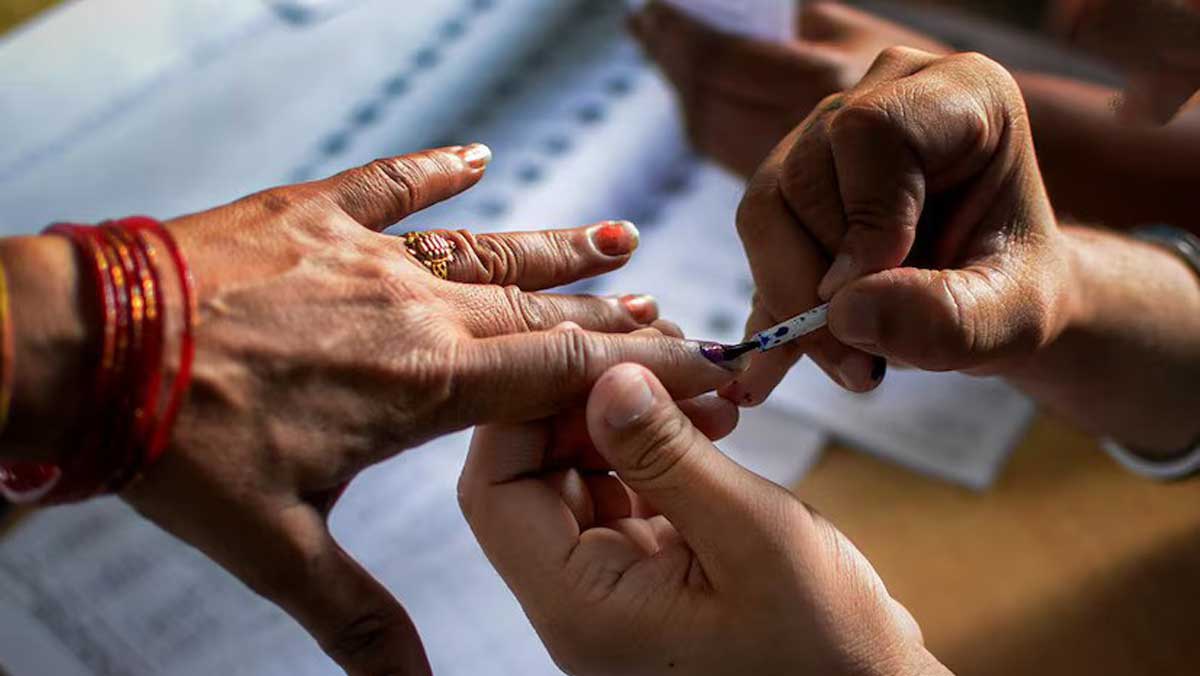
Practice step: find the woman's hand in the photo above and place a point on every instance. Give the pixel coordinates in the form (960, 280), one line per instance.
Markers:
(740, 96)
(323, 346)
(682, 563)
(914, 203)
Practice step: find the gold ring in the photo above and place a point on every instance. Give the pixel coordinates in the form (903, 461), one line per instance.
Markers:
(432, 250)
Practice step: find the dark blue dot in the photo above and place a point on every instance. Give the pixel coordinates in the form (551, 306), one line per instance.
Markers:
(367, 114)
(426, 57)
(293, 14)
(783, 331)
(508, 87)
(556, 144)
(537, 59)
(677, 183)
(335, 143)
(454, 28)
(763, 341)
(720, 322)
(529, 173)
(618, 85)
(590, 113)
(396, 86)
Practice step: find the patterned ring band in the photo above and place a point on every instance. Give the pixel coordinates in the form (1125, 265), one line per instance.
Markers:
(432, 250)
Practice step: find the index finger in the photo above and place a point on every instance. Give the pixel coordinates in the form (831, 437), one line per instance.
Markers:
(382, 192)
(533, 375)
(501, 489)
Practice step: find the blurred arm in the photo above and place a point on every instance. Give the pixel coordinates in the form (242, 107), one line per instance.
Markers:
(1099, 169)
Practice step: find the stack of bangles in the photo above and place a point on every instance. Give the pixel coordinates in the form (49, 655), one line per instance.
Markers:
(131, 406)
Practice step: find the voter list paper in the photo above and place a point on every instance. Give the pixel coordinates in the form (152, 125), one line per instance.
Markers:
(763, 19)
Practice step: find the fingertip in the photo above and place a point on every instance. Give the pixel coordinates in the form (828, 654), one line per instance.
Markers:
(614, 239)
(642, 307)
(620, 397)
(476, 156)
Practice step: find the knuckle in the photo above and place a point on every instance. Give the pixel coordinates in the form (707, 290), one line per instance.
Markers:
(402, 180)
(499, 259)
(362, 637)
(573, 352)
(864, 116)
(897, 55)
(961, 331)
(527, 314)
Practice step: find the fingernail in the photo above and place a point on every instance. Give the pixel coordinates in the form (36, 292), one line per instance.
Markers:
(717, 354)
(644, 308)
(477, 155)
(860, 325)
(567, 326)
(856, 372)
(631, 398)
(878, 369)
(615, 238)
(842, 272)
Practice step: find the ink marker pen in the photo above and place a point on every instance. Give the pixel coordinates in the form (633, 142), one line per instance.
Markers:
(769, 339)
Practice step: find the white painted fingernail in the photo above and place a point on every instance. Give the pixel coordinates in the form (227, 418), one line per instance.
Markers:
(477, 155)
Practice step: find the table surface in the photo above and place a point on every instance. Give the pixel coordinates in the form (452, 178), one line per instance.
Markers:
(1068, 565)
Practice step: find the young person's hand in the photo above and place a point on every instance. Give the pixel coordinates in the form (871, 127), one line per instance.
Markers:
(681, 563)
(740, 96)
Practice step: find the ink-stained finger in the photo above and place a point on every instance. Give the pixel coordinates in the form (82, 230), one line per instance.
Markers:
(534, 375)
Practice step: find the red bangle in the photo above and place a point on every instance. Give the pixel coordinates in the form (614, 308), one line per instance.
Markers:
(187, 340)
(127, 424)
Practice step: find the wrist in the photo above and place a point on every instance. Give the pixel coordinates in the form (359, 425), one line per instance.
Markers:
(50, 339)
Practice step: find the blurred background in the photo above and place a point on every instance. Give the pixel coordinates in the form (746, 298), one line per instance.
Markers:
(115, 107)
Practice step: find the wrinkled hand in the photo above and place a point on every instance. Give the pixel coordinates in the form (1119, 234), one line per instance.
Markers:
(682, 563)
(921, 185)
(740, 96)
(323, 347)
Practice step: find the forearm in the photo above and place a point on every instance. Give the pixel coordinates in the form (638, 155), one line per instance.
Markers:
(49, 338)
(1127, 365)
(1098, 169)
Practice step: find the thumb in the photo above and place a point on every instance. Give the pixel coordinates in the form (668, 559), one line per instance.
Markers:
(353, 617)
(722, 510)
(946, 320)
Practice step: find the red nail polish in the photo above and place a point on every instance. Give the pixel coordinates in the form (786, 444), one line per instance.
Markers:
(615, 238)
(643, 308)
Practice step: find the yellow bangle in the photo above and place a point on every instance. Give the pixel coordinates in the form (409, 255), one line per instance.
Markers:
(6, 350)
